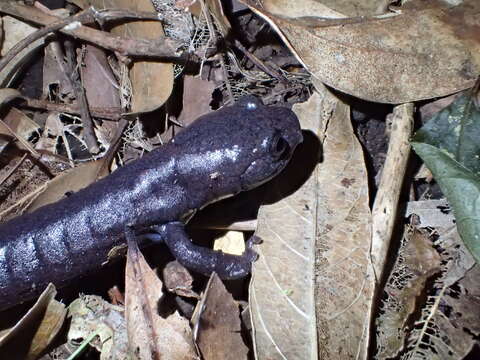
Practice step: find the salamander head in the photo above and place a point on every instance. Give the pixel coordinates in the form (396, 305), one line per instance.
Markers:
(239, 147)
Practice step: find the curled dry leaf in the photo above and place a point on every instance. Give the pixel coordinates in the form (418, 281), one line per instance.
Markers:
(395, 58)
(151, 82)
(178, 280)
(149, 335)
(217, 320)
(31, 336)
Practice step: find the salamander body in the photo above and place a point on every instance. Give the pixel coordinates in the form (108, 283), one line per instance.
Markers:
(222, 153)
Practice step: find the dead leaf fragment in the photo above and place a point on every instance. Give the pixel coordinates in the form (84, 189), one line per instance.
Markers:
(70, 180)
(218, 324)
(396, 58)
(91, 314)
(197, 95)
(150, 336)
(178, 280)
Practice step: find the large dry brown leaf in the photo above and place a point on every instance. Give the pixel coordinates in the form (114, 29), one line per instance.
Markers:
(152, 82)
(345, 283)
(217, 320)
(324, 8)
(282, 288)
(314, 275)
(150, 336)
(413, 55)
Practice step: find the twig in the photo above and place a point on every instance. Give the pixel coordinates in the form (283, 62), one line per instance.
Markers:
(98, 112)
(386, 202)
(258, 63)
(84, 16)
(161, 48)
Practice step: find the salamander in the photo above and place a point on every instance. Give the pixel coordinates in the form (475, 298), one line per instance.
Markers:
(220, 154)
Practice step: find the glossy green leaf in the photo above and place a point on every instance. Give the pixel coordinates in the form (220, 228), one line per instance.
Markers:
(449, 144)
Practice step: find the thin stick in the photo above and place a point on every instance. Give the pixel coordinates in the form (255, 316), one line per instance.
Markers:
(386, 202)
(259, 64)
(84, 16)
(98, 112)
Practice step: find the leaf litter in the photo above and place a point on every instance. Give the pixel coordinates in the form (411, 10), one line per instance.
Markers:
(321, 287)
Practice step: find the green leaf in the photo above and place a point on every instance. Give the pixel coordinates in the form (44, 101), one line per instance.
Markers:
(449, 144)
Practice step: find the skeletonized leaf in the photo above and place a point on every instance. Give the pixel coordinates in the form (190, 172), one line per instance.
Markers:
(395, 58)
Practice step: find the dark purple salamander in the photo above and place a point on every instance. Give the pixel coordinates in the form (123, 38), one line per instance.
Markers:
(227, 151)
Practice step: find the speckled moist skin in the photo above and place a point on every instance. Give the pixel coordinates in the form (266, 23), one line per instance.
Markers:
(227, 151)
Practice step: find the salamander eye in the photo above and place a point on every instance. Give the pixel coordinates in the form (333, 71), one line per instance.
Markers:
(279, 147)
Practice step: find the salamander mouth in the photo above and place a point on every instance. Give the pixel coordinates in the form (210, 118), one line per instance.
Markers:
(250, 180)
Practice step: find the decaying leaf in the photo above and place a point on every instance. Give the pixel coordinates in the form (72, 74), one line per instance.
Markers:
(149, 335)
(324, 8)
(449, 146)
(394, 58)
(416, 262)
(431, 213)
(91, 314)
(36, 330)
(232, 242)
(178, 280)
(217, 324)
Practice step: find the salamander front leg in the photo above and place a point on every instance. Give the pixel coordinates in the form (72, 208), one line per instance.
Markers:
(204, 260)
